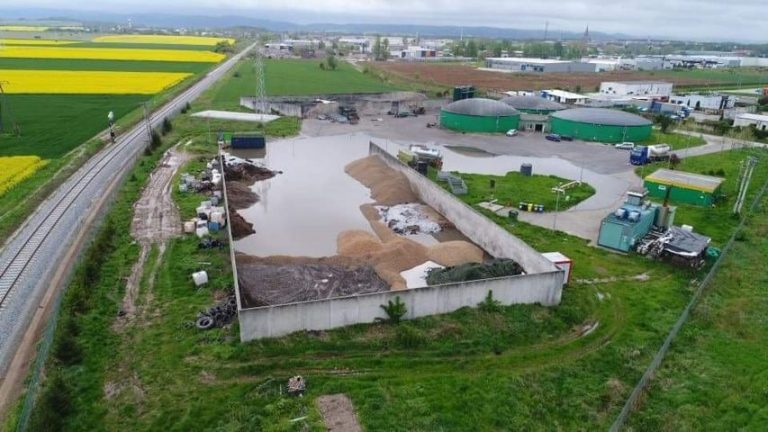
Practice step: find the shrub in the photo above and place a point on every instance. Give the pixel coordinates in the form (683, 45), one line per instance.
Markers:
(53, 406)
(490, 304)
(395, 310)
(167, 126)
(65, 347)
(408, 336)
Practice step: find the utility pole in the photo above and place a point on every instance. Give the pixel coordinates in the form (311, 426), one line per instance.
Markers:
(260, 101)
(557, 206)
(747, 168)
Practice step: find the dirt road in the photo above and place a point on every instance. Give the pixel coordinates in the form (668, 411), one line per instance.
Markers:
(156, 219)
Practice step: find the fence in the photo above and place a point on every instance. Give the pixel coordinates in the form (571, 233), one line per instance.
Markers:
(631, 402)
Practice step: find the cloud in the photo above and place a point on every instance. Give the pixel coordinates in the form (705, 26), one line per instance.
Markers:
(687, 19)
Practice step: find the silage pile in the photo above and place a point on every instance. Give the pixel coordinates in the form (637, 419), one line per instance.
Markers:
(388, 187)
(396, 254)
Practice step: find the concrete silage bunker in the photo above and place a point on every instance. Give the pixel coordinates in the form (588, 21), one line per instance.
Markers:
(542, 283)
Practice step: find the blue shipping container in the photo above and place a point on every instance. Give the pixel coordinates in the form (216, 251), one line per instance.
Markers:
(248, 142)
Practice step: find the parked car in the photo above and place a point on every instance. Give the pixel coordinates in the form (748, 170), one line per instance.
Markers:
(402, 114)
(625, 145)
(512, 132)
(553, 137)
(566, 138)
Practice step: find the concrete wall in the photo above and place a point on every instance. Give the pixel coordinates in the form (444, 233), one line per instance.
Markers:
(484, 232)
(542, 284)
(274, 321)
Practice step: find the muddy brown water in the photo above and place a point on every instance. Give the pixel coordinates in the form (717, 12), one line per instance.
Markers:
(303, 210)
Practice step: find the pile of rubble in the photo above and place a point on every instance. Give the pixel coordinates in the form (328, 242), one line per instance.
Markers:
(217, 316)
(210, 179)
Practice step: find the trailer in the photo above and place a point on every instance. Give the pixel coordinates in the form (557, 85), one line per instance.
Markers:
(641, 155)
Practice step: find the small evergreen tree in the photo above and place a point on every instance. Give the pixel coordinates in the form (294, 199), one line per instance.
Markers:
(395, 310)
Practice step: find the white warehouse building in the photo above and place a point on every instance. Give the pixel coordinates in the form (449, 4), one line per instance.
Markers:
(758, 120)
(644, 89)
(511, 64)
(713, 102)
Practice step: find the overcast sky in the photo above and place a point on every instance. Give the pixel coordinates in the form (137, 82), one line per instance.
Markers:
(742, 20)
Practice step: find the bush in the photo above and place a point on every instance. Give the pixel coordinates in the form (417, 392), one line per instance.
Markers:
(395, 310)
(155, 142)
(408, 336)
(167, 126)
(489, 305)
(53, 406)
(66, 349)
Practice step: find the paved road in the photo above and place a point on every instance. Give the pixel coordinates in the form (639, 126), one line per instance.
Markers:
(714, 144)
(29, 260)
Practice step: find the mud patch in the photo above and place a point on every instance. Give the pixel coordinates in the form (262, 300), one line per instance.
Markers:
(240, 227)
(338, 413)
(240, 196)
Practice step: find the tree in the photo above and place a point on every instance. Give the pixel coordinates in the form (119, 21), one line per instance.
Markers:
(331, 60)
(471, 49)
(321, 45)
(385, 49)
(664, 122)
(559, 49)
(377, 48)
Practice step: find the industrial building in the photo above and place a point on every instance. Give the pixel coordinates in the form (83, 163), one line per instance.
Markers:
(534, 111)
(413, 53)
(683, 187)
(538, 65)
(712, 102)
(600, 124)
(623, 229)
(757, 120)
(479, 115)
(564, 97)
(533, 104)
(644, 89)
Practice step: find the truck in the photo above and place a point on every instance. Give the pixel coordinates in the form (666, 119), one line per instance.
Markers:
(641, 155)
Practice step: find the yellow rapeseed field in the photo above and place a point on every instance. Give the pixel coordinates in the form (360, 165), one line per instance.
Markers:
(49, 52)
(36, 42)
(87, 82)
(23, 28)
(14, 169)
(163, 39)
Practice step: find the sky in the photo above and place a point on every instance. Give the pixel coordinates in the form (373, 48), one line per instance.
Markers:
(739, 20)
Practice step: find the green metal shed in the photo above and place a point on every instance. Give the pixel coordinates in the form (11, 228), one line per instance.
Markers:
(687, 188)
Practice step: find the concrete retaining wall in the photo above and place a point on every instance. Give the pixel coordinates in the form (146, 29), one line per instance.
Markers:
(484, 232)
(274, 321)
(542, 284)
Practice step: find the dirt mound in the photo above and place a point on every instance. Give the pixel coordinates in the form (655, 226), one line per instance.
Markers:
(454, 253)
(358, 244)
(240, 228)
(247, 173)
(240, 196)
(388, 187)
(388, 258)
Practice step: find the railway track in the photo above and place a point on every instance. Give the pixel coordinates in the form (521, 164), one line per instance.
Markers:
(29, 259)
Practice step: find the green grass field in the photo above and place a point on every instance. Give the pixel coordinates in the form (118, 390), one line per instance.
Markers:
(714, 377)
(509, 190)
(297, 77)
(675, 141)
(52, 125)
(104, 65)
(733, 76)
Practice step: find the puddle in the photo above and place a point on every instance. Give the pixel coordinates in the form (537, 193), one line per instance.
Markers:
(471, 151)
(302, 211)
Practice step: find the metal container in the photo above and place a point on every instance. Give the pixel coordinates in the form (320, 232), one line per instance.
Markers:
(526, 169)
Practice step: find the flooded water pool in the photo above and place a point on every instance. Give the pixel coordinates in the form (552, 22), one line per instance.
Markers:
(302, 210)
